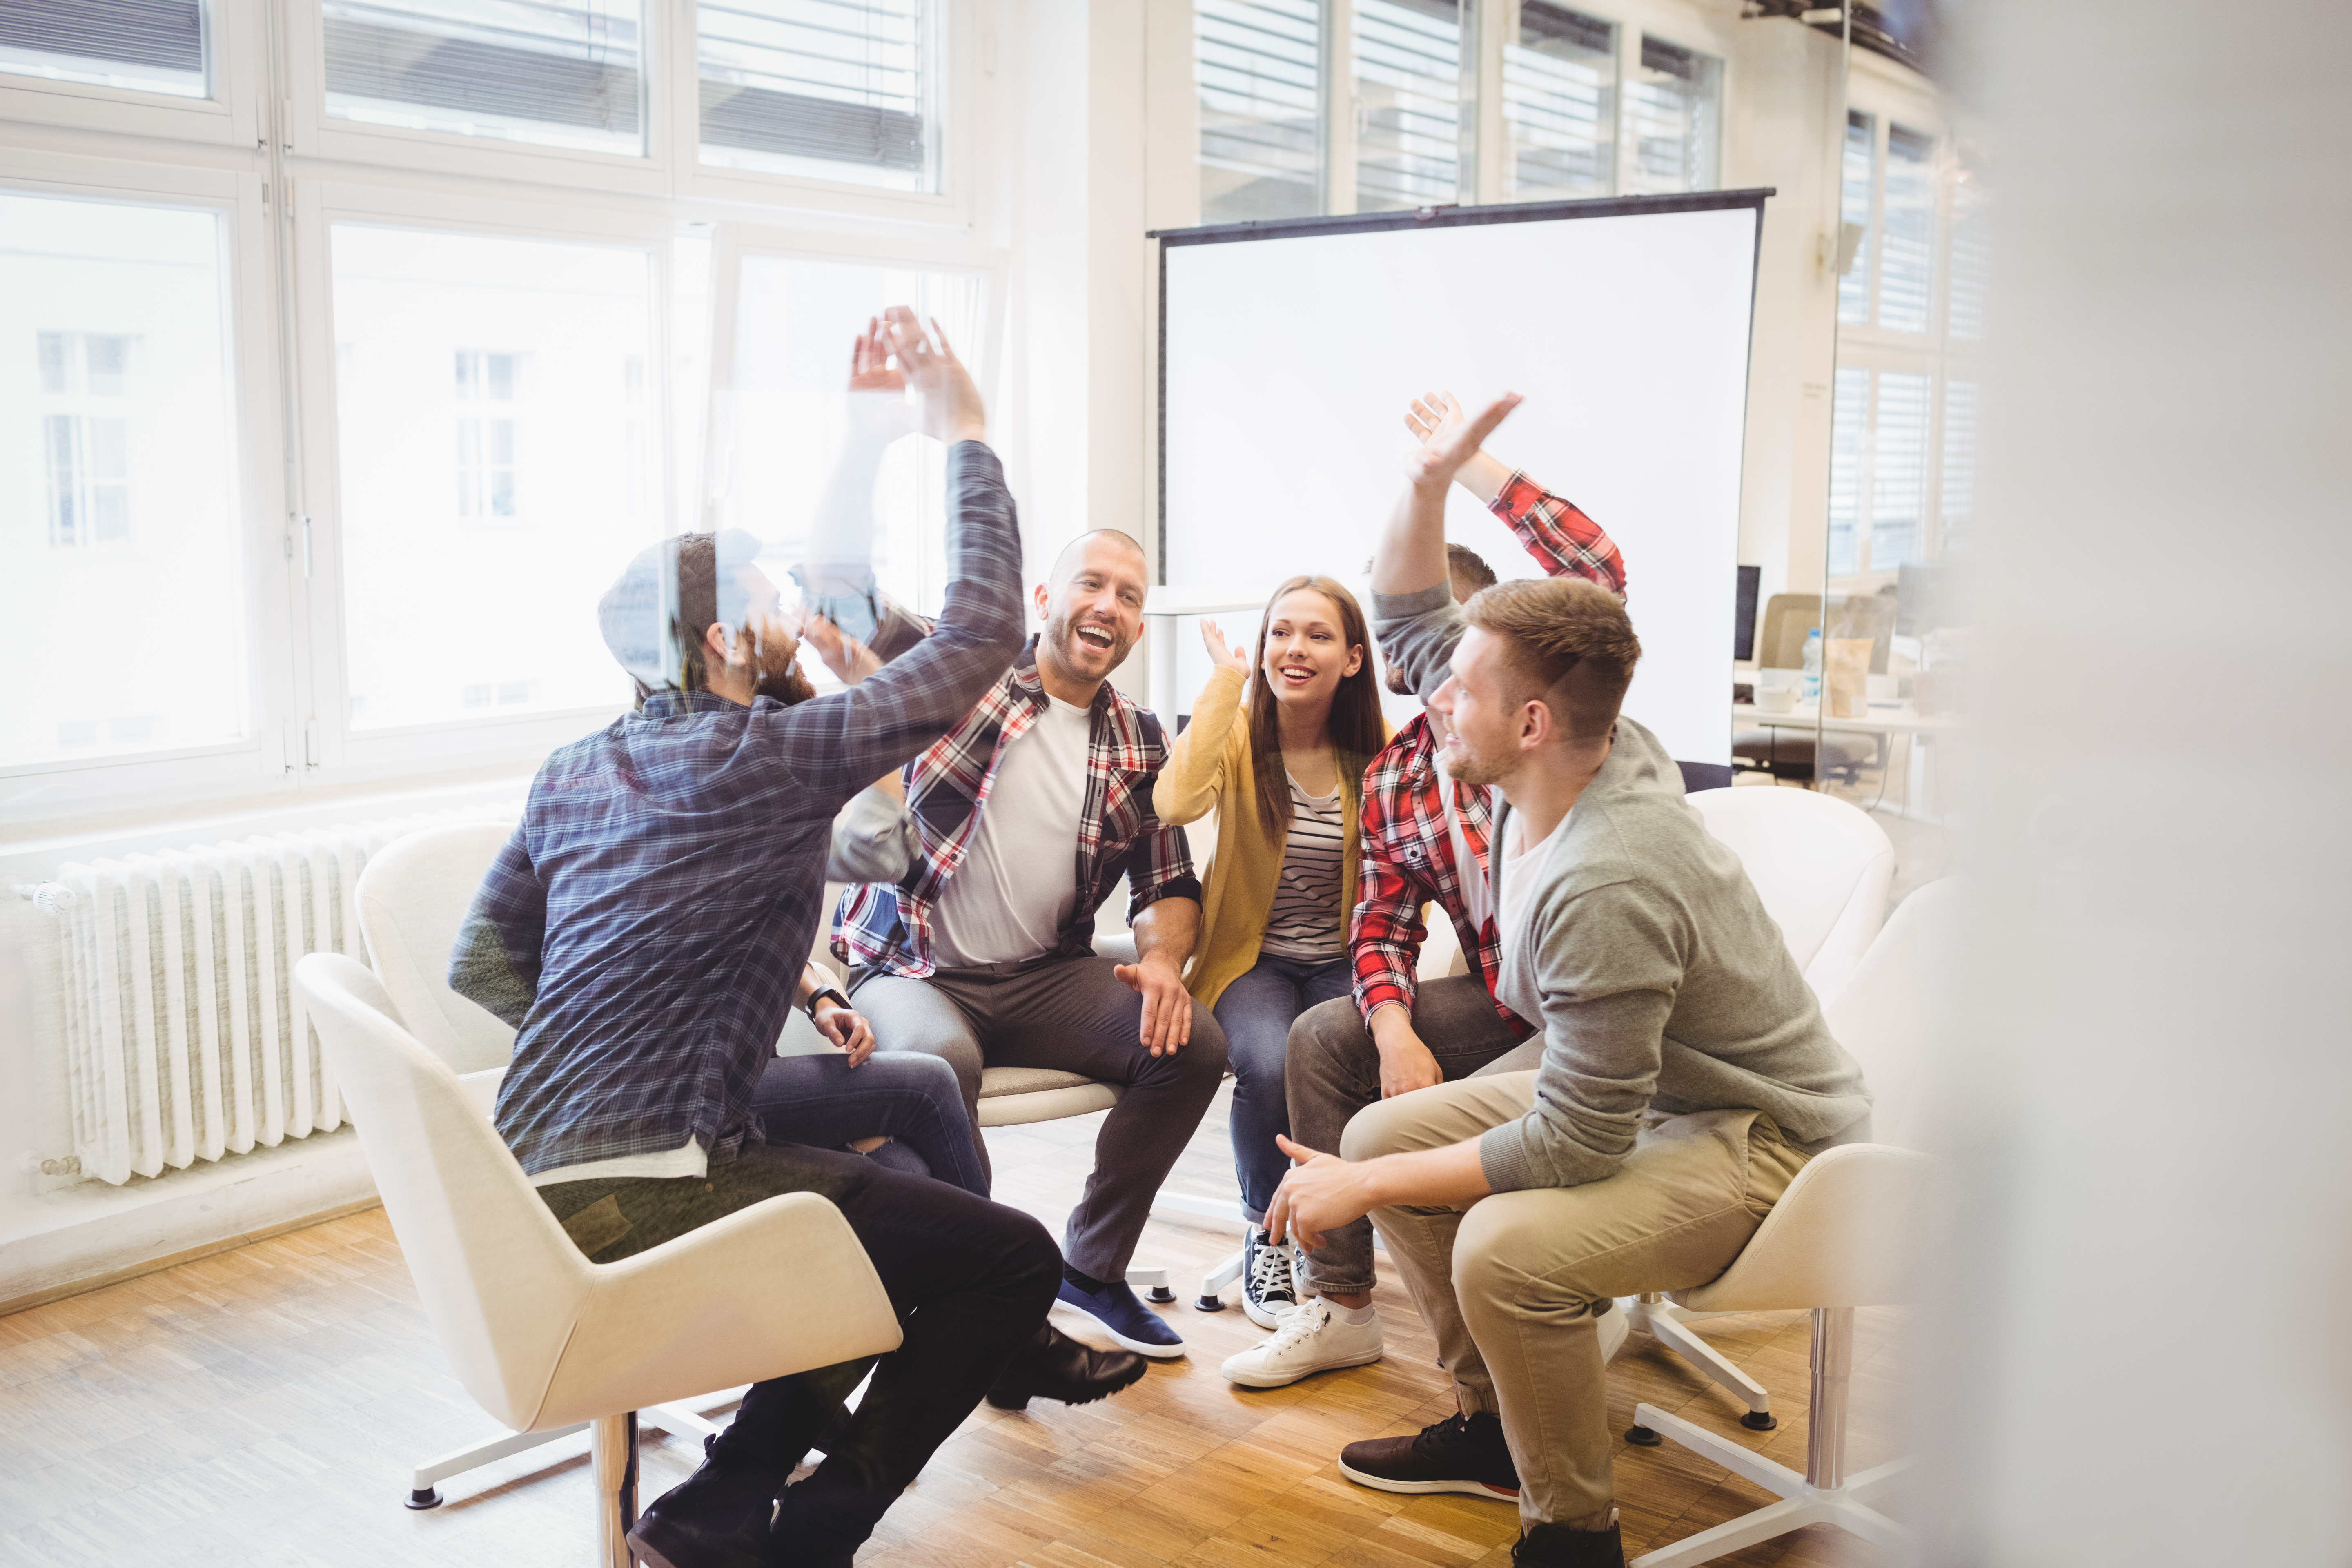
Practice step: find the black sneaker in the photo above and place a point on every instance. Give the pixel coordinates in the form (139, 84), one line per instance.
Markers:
(718, 1517)
(1269, 1284)
(1556, 1546)
(1464, 1454)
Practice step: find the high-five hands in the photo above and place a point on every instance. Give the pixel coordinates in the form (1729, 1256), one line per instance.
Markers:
(850, 660)
(878, 404)
(1448, 438)
(952, 409)
(1219, 653)
(1320, 1193)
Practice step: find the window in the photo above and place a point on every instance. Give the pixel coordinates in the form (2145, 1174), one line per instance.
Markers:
(835, 90)
(1408, 74)
(144, 46)
(553, 73)
(116, 388)
(1908, 251)
(1966, 305)
(1673, 110)
(1849, 430)
(1959, 461)
(1898, 471)
(474, 572)
(1258, 74)
(1560, 101)
(794, 318)
(1856, 193)
(485, 433)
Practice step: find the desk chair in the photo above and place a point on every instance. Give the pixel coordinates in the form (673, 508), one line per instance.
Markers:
(1821, 868)
(542, 1338)
(1794, 755)
(1850, 1232)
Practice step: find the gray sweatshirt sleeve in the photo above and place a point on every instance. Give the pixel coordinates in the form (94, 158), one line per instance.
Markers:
(873, 839)
(1417, 633)
(1609, 961)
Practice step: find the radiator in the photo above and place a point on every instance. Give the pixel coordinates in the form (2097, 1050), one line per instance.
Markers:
(183, 1038)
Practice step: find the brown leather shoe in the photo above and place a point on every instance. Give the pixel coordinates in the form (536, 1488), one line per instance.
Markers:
(1556, 1546)
(1055, 1366)
(1462, 1454)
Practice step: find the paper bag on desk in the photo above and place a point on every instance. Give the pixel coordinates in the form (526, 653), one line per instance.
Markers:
(1847, 678)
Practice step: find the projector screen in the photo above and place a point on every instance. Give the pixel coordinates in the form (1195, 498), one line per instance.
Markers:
(1290, 352)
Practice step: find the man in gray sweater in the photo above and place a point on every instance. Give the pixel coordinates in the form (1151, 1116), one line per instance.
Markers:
(1686, 1075)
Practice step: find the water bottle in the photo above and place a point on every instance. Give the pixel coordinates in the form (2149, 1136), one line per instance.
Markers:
(1813, 665)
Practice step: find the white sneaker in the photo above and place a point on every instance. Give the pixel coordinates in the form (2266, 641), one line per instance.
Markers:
(1311, 1340)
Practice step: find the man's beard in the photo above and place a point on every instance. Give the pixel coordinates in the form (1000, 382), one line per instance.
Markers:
(1062, 633)
(1464, 768)
(780, 676)
(1392, 677)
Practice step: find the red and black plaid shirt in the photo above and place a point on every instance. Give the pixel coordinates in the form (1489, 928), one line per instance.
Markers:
(1408, 853)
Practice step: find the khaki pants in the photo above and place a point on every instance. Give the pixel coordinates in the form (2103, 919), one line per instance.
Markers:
(1511, 1286)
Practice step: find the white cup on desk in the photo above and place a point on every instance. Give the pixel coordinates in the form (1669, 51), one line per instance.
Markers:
(1775, 698)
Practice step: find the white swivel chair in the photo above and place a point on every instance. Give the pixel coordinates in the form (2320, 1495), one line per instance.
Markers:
(411, 897)
(1822, 867)
(541, 1338)
(1852, 1231)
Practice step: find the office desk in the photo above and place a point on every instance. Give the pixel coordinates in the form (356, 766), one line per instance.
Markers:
(1918, 730)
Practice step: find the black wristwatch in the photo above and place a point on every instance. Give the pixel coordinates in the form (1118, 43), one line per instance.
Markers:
(820, 996)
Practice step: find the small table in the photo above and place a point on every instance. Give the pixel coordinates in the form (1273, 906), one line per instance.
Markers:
(1889, 720)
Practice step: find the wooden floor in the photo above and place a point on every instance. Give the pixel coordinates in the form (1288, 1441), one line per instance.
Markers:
(262, 1407)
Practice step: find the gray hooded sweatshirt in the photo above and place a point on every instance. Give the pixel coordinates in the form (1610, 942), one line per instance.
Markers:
(1661, 985)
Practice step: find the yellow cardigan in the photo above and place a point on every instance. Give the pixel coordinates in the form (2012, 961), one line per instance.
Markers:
(1210, 767)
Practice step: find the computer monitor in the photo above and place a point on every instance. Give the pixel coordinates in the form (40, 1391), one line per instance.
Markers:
(1918, 587)
(1743, 615)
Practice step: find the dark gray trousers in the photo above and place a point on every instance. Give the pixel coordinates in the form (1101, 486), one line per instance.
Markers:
(1074, 1014)
(1334, 1071)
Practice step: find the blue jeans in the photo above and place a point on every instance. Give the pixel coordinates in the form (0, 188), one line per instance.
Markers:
(912, 1098)
(1256, 1012)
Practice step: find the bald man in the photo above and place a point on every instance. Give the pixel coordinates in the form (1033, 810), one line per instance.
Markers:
(1030, 812)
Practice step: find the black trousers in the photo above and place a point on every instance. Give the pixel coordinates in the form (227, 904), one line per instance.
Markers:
(971, 1280)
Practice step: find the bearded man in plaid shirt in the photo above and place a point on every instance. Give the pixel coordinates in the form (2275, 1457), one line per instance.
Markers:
(1424, 841)
(1030, 812)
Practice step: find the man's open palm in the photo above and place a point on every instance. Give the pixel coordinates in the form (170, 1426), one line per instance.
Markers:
(1448, 438)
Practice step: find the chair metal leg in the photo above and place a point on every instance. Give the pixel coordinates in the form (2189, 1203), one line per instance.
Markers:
(1824, 1494)
(1665, 1321)
(680, 1418)
(613, 1445)
(1211, 1298)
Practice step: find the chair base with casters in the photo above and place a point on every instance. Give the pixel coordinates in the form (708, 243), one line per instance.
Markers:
(1787, 754)
(1824, 1494)
(1662, 1320)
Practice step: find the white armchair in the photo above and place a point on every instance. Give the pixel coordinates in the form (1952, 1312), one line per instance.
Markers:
(1852, 1231)
(1822, 867)
(541, 1338)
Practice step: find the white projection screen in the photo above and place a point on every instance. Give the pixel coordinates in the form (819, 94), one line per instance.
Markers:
(1290, 350)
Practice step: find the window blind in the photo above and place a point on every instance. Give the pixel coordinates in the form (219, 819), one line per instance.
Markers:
(1674, 105)
(1965, 307)
(1908, 249)
(155, 45)
(1956, 508)
(1258, 74)
(1898, 471)
(554, 72)
(838, 89)
(1408, 71)
(1560, 100)
(1849, 431)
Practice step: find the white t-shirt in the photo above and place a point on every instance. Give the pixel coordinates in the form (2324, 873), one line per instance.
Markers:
(1477, 888)
(689, 1161)
(1518, 874)
(1019, 879)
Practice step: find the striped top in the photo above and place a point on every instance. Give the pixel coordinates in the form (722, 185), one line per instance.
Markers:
(1307, 920)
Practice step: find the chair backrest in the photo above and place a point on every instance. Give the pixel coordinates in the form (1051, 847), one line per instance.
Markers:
(412, 896)
(1821, 865)
(502, 1283)
(1896, 1012)
(1781, 645)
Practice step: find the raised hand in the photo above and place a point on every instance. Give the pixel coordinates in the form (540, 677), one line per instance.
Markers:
(952, 409)
(850, 660)
(870, 369)
(1219, 653)
(1449, 438)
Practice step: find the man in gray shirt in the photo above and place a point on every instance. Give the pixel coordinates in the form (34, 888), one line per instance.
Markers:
(1686, 1074)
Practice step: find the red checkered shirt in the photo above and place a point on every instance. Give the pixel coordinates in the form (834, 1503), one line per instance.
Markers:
(888, 925)
(1408, 853)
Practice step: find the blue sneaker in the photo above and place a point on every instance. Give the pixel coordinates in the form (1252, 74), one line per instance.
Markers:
(1117, 1311)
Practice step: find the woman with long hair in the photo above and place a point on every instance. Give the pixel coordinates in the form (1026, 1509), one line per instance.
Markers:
(1276, 748)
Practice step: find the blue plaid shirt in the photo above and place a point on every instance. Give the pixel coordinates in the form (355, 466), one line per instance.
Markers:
(662, 892)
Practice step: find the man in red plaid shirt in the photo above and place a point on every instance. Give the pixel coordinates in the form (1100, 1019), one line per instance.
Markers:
(1424, 841)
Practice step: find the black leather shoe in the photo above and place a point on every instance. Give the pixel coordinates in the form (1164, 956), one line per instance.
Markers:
(1556, 1546)
(716, 1518)
(1055, 1366)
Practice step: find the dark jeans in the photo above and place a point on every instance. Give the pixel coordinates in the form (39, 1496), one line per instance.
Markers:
(1256, 1012)
(910, 1097)
(971, 1280)
(1334, 1071)
(1074, 1014)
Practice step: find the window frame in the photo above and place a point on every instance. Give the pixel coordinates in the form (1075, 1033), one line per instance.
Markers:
(270, 752)
(230, 116)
